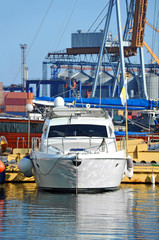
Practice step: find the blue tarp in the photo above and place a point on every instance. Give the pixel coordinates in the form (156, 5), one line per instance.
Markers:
(123, 133)
(109, 103)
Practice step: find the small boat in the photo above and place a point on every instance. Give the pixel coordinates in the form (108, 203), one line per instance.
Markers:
(78, 152)
(145, 120)
(15, 130)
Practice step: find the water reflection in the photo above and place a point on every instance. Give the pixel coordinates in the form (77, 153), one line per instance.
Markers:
(145, 212)
(128, 213)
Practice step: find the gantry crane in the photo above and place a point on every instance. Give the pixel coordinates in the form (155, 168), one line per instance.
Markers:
(139, 17)
(139, 23)
(125, 47)
(136, 13)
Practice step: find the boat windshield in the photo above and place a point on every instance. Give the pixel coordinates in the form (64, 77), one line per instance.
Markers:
(78, 130)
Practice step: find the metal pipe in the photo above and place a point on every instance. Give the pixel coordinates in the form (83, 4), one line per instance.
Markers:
(120, 41)
(143, 72)
(28, 132)
(111, 2)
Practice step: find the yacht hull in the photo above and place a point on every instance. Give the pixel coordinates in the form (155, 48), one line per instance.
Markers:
(81, 172)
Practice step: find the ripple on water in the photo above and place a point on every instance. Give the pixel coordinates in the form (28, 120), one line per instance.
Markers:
(128, 213)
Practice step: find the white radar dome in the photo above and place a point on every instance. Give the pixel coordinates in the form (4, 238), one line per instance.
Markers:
(59, 102)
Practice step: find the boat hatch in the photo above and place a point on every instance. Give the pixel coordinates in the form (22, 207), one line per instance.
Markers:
(77, 149)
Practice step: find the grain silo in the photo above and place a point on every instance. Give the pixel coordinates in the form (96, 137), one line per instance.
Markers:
(133, 88)
(152, 85)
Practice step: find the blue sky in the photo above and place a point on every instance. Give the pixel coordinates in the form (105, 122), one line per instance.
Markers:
(22, 21)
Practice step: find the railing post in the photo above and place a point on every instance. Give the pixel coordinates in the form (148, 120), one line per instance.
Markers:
(47, 144)
(63, 145)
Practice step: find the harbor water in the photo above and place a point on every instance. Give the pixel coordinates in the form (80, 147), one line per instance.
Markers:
(131, 212)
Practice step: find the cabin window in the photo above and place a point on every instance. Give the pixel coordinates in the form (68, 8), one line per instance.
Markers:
(20, 127)
(36, 127)
(84, 130)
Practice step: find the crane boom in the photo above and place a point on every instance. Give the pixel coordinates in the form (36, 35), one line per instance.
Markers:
(157, 30)
(139, 23)
(151, 52)
(146, 45)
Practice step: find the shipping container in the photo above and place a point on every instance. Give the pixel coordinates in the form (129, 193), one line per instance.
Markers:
(23, 95)
(15, 101)
(15, 108)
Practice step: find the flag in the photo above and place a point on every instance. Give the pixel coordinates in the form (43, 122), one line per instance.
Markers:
(124, 95)
(73, 103)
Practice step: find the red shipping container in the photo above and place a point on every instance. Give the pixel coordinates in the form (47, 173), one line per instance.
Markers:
(14, 108)
(23, 95)
(15, 101)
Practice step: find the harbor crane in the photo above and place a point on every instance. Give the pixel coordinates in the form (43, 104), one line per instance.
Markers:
(136, 42)
(124, 48)
(129, 43)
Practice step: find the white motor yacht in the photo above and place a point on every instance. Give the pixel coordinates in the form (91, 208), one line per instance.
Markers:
(78, 152)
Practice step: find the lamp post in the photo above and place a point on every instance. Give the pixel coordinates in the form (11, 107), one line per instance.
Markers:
(24, 69)
(29, 108)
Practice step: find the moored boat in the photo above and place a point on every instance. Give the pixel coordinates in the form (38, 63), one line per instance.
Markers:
(78, 152)
(15, 130)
